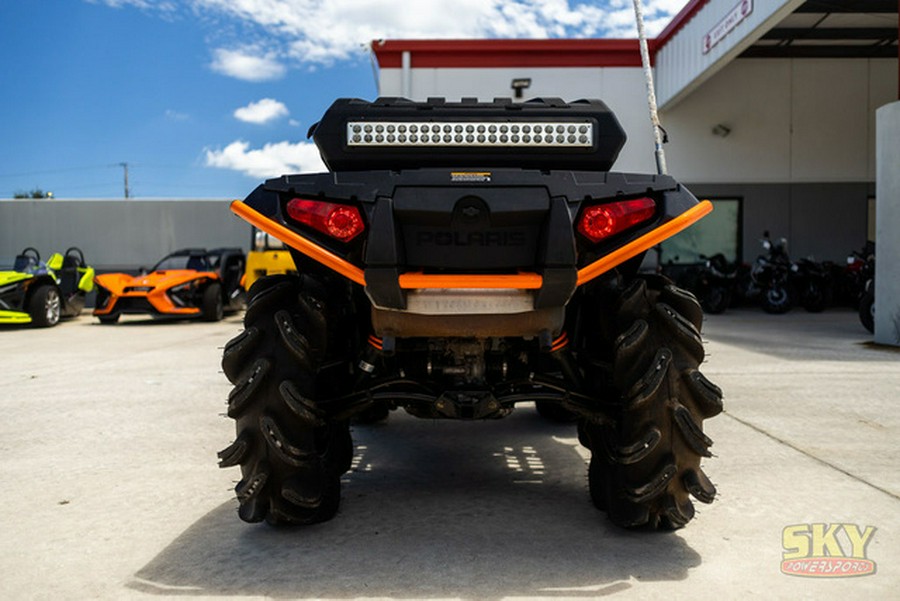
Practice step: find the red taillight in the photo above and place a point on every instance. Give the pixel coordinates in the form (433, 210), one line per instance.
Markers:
(602, 221)
(342, 222)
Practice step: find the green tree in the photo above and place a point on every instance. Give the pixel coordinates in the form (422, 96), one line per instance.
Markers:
(36, 193)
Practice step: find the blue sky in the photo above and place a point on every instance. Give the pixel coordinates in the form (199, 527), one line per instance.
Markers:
(206, 98)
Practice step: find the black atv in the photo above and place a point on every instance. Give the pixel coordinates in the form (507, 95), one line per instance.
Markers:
(458, 259)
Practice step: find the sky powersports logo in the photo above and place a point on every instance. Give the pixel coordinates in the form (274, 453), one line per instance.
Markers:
(826, 550)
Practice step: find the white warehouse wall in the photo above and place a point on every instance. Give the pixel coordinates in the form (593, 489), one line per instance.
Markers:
(621, 88)
(791, 121)
(117, 235)
(800, 156)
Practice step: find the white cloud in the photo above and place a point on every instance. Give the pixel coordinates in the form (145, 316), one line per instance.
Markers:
(324, 31)
(247, 63)
(272, 160)
(286, 33)
(173, 115)
(263, 111)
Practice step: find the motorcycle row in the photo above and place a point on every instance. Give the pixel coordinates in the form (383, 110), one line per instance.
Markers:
(777, 284)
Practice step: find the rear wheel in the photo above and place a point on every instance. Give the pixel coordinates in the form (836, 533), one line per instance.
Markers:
(814, 298)
(44, 306)
(213, 308)
(867, 310)
(645, 463)
(291, 454)
(776, 299)
(716, 299)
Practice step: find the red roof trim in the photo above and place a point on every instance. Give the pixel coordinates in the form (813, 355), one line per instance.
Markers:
(529, 53)
(509, 53)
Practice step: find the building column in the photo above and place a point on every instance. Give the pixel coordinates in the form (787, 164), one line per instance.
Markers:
(887, 211)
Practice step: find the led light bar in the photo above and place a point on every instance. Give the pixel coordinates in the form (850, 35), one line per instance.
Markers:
(397, 134)
(470, 133)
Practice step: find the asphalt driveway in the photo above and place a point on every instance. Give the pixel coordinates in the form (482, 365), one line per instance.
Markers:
(111, 490)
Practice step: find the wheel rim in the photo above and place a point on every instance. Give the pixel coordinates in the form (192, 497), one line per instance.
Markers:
(777, 296)
(716, 298)
(51, 306)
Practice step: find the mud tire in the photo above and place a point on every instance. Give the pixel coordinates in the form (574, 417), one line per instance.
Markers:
(645, 463)
(291, 454)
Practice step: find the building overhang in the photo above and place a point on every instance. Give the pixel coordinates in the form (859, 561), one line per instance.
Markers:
(833, 29)
(708, 34)
(701, 39)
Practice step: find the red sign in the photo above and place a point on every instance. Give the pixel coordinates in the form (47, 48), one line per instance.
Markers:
(737, 14)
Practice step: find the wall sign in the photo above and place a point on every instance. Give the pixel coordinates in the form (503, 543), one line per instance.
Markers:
(737, 14)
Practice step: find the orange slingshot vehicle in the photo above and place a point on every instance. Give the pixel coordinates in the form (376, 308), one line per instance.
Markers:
(191, 282)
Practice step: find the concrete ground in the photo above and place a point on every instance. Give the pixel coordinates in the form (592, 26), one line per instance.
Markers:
(108, 436)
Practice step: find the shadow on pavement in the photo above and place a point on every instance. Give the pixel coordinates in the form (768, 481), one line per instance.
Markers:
(475, 510)
(833, 335)
(161, 320)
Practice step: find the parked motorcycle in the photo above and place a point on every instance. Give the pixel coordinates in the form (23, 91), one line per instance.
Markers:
(865, 263)
(716, 283)
(860, 268)
(812, 284)
(770, 276)
(713, 281)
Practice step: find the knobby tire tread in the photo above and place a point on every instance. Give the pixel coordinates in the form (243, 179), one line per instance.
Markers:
(290, 453)
(645, 469)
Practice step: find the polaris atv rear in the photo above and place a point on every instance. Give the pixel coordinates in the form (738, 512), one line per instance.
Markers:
(458, 259)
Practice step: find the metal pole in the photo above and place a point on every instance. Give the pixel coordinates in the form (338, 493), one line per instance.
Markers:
(127, 191)
(651, 94)
(406, 74)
